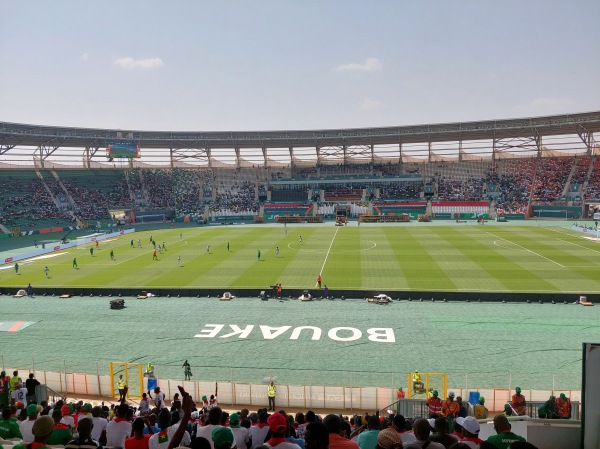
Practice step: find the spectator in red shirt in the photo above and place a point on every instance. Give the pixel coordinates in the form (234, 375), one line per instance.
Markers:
(139, 440)
(336, 440)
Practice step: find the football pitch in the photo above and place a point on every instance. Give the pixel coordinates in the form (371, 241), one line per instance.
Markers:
(386, 258)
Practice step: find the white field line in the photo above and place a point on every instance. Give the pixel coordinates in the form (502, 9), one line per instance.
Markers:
(581, 246)
(528, 250)
(327, 255)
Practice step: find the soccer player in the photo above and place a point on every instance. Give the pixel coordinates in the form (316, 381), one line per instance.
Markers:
(139, 243)
(97, 244)
(46, 271)
(151, 241)
(132, 243)
(154, 256)
(112, 255)
(181, 236)
(208, 248)
(17, 268)
(319, 280)
(75, 262)
(300, 239)
(259, 254)
(178, 261)
(164, 246)
(277, 251)
(227, 246)
(92, 251)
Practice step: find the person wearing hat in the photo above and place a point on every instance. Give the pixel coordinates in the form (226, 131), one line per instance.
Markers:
(222, 438)
(61, 434)
(434, 405)
(27, 425)
(450, 409)
(563, 403)
(518, 402)
(336, 440)
(470, 431)
(42, 429)
(66, 416)
(388, 439)
(479, 410)
(278, 424)
(504, 437)
(8, 427)
(368, 439)
(240, 434)
(422, 429)
(547, 410)
(84, 437)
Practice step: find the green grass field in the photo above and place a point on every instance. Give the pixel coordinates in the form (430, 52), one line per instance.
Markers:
(415, 256)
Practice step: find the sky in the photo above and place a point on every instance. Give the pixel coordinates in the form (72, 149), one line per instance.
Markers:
(277, 64)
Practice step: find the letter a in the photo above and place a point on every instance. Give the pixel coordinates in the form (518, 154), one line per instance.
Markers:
(236, 330)
(271, 332)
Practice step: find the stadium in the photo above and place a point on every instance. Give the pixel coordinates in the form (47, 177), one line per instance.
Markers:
(474, 223)
(358, 214)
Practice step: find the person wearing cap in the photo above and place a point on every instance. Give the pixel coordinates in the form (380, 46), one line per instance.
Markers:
(42, 429)
(434, 405)
(368, 439)
(278, 424)
(441, 432)
(548, 409)
(240, 434)
(518, 402)
(479, 410)
(450, 409)
(162, 439)
(399, 423)
(388, 439)
(336, 440)
(417, 384)
(214, 421)
(66, 416)
(8, 427)
(421, 429)
(222, 438)
(470, 430)
(119, 428)
(30, 384)
(563, 403)
(84, 438)
(27, 425)
(61, 434)
(504, 437)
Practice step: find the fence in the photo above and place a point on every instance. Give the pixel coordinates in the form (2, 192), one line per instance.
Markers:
(358, 398)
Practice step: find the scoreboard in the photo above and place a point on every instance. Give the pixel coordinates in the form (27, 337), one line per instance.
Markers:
(126, 150)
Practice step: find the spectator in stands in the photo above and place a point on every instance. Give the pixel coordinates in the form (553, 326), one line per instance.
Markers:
(441, 434)
(66, 416)
(399, 423)
(27, 426)
(333, 423)
(61, 434)
(504, 437)
(316, 436)
(222, 438)
(161, 439)
(470, 430)
(8, 427)
(239, 433)
(42, 429)
(368, 439)
(258, 433)
(31, 383)
(214, 422)
(100, 423)
(278, 426)
(139, 440)
(84, 437)
(119, 429)
(388, 439)
(421, 429)
(310, 417)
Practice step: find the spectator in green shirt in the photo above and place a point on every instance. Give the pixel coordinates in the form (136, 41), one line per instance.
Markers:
(61, 434)
(8, 427)
(504, 436)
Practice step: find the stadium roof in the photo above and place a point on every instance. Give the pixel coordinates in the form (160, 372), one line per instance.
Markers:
(14, 134)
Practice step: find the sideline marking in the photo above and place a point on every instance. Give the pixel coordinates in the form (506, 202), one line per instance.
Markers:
(532, 252)
(327, 255)
(581, 246)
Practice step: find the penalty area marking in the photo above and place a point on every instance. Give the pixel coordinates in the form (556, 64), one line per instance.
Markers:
(528, 250)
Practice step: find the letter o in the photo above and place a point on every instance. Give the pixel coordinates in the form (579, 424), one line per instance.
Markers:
(356, 334)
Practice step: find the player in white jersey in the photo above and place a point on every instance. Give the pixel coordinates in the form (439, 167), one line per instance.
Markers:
(20, 394)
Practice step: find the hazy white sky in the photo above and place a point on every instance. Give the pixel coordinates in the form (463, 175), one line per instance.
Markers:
(276, 64)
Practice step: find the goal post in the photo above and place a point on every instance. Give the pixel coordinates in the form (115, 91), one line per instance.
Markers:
(427, 382)
(133, 376)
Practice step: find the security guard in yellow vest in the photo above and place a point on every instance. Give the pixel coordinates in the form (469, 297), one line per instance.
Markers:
(271, 395)
(13, 381)
(122, 388)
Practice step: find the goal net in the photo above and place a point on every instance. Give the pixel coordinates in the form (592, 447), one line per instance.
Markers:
(132, 375)
(419, 384)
